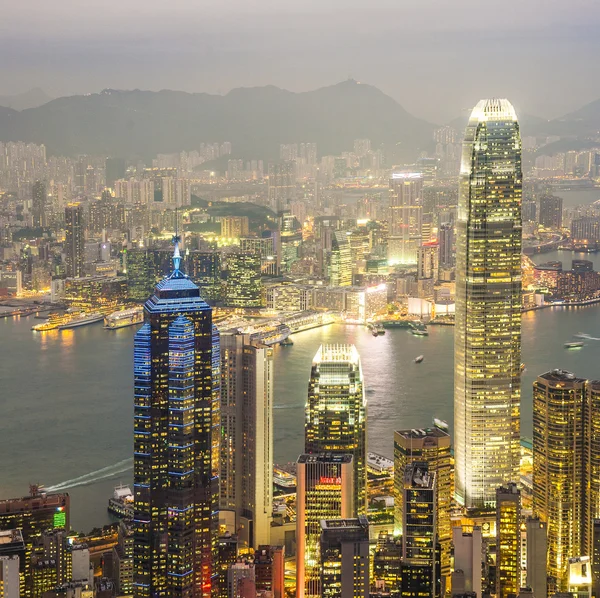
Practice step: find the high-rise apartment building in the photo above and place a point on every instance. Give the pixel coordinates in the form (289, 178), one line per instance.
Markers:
(74, 240)
(446, 243)
(340, 270)
(508, 541)
(269, 569)
(566, 457)
(432, 446)
(246, 478)
(420, 549)
(551, 211)
(176, 442)
(324, 490)
(235, 227)
(406, 214)
(38, 204)
(487, 335)
(282, 183)
(336, 412)
(345, 558)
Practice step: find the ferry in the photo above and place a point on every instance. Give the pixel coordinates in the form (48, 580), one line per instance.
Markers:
(121, 503)
(286, 342)
(270, 333)
(81, 320)
(283, 479)
(420, 331)
(574, 345)
(53, 321)
(419, 359)
(123, 318)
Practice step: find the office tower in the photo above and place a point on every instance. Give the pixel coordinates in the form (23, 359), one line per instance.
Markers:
(38, 206)
(468, 559)
(406, 196)
(551, 211)
(281, 184)
(324, 490)
(345, 558)
(566, 456)
(241, 579)
(340, 273)
(227, 552)
(33, 515)
(234, 227)
(122, 560)
(336, 412)
(74, 240)
(508, 540)
(51, 562)
(246, 475)
(446, 243)
(487, 335)
(428, 256)
(387, 560)
(269, 570)
(204, 268)
(266, 248)
(140, 271)
(536, 556)
(431, 445)
(9, 577)
(243, 286)
(420, 550)
(114, 170)
(176, 441)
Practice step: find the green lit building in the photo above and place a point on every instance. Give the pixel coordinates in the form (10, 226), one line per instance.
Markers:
(340, 269)
(243, 283)
(204, 268)
(336, 412)
(487, 335)
(141, 278)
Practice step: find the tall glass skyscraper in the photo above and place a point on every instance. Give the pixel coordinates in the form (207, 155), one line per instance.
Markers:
(336, 418)
(176, 442)
(487, 337)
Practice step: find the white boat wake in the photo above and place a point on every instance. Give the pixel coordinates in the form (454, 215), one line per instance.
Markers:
(93, 476)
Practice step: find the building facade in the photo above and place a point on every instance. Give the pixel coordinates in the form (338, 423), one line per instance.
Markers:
(508, 541)
(406, 215)
(74, 240)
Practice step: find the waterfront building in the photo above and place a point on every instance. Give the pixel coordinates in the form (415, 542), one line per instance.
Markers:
(324, 490)
(340, 271)
(243, 284)
(269, 570)
(74, 240)
(176, 442)
(345, 558)
(406, 215)
(140, 271)
(551, 211)
(92, 292)
(487, 336)
(246, 471)
(508, 541)
(234, 227)
(336, 412)
(420, 549)
(433, 446)
(33, 515)
(38, 204)
(537, 550)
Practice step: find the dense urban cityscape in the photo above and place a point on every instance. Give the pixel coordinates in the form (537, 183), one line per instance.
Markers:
(204, 268)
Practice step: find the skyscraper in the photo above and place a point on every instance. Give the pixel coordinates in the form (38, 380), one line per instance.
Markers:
(176, 441)
(39, 204)
(508, 541)
(487, 335)
(74, 240)
(340, 274)
(246, 484)
(537, 551)
(406, 213)
(282, 183)
(325, 490)
(432, 446)
(551, 211)
(243, 283)
(446, 241)
(336, 412)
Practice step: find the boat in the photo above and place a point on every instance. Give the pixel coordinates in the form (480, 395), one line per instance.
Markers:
(81, 320)
(574, 345)
(419, 359)
(380, 330)
(420, 331)
(283, 479)
(123, 318)
(53, 321)
(583, 335)
(286, 342)
(121, 503)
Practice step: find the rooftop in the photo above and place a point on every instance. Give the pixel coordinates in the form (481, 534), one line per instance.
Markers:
(558, 376)
(339, 353)
(434, 432)
(11, 536)
(493, 109)
(324, 458)
(351, 524)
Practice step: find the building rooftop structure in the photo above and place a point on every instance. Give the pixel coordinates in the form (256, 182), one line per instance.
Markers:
(324, 458)
(559, 377)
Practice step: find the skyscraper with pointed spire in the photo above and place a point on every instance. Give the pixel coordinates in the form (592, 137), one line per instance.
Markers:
(176, 441)
(487, 335)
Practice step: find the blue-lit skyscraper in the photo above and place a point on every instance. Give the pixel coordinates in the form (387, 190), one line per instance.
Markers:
(176, 442)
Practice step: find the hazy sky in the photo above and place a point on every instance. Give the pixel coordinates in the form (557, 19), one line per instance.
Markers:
(436, 57)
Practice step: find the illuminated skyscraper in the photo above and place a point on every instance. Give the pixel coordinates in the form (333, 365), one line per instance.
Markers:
(487, 335)
(246, 484)
(176, 442)
(340, 274)
(336, 412)
(74, 241)
(243, 283)
(406, 213)
(324, 491)
(508, 541)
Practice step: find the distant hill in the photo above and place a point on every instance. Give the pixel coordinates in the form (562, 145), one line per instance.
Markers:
(30, 99)
(583, 122)
(256, 120)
